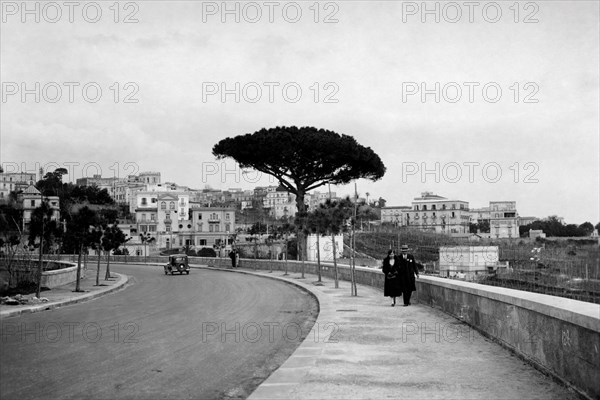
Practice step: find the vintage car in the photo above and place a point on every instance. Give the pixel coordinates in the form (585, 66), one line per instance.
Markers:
(177, 263)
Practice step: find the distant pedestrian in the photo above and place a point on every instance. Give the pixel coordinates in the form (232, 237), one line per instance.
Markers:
(407, 271)
(391, 286)
(234, 257)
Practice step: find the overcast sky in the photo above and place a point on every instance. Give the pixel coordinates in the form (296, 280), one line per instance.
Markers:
(510, 109)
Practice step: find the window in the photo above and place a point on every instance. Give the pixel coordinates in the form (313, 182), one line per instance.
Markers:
(153, 200)
(168, 229)
(143, 217)
(227, 217)
(217, 228)
(163, 205)
(172, 205)
(443, 206)
(202, 242)
(211, 228)
(424, 207)
(144, 201)
(227, 227)
(152, 228)
(416, 208)
(200, 226)
(32, 201)
(200, 216)
(433, 208)
(152, 217)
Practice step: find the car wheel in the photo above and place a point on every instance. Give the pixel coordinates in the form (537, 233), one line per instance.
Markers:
(180, 272)
(187, 272)
(166, 273)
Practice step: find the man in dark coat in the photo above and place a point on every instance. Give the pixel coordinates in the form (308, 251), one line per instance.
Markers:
(407, 271)
(391, 286)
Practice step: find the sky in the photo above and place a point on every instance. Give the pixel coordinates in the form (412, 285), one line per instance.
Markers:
(474, 101)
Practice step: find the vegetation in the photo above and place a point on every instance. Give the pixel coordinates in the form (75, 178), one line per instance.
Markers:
(552, 226)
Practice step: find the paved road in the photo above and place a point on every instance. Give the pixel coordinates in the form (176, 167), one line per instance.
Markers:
(211, 334)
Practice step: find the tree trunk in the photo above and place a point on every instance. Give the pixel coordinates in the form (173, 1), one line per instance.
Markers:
(335, 268)
(77, 285)
(98, 268)
(318, 257)
(302, 213)
(39, 271)
(107, 275)
(286, 254)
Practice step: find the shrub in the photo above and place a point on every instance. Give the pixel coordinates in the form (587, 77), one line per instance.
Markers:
(206, 252)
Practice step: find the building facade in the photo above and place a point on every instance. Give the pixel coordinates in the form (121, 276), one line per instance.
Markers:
(504, 219)
(436, 213)
(396, 215)
(31, 198)
(14, 182)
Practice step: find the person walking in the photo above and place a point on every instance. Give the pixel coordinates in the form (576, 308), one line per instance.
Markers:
(408, 269)
(234, 257)
(391, 285)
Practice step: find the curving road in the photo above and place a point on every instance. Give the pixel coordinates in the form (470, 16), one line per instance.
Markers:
(210, 334)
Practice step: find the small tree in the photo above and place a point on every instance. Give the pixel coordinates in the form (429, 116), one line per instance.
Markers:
(42, 226)
(111, 241)
(78, 229)
(317, 223)
(338, 213)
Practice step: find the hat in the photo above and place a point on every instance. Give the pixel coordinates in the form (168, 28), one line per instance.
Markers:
(404, 247)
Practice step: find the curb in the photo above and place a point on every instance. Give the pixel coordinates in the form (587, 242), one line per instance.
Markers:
(123, 280)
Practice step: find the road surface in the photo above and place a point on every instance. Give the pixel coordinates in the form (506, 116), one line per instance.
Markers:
(210, 334)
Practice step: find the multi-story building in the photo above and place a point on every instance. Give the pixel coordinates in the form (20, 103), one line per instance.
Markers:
(100, 182)
(439, 214)
(14, 181)
(504, 219)
(280, 202)
(479, 215)
(396, 215)
(207, 227)
(31, 198)
(148, 177)
(316, 198)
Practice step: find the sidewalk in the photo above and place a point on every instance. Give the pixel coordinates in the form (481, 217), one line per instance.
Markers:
(65, 295)
(362, 348)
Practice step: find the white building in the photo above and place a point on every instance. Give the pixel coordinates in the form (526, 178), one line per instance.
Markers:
(325, 247)
(468, 261)
(504, 219)
(14, 181)
(439, 214)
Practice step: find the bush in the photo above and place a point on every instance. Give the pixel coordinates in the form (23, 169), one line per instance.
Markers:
(206, 252)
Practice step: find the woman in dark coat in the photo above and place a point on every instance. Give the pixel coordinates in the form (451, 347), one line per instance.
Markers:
(391, 287)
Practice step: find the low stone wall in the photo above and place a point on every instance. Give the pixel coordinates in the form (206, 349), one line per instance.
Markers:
(56, 273)
(59, 277)
(558, 335)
